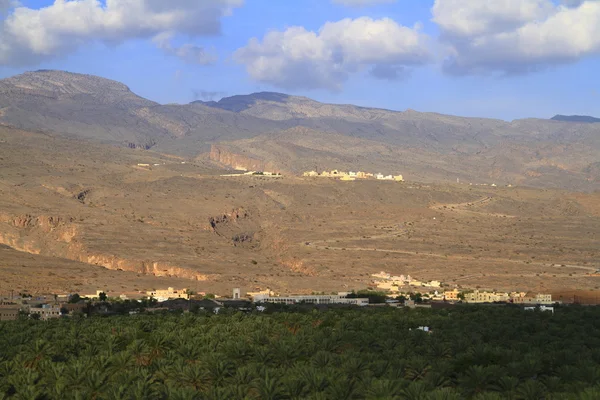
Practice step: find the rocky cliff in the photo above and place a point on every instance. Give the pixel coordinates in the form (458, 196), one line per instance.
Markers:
(60, 236)
(234, 158)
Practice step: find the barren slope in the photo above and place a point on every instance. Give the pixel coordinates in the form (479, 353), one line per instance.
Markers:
(94, 205)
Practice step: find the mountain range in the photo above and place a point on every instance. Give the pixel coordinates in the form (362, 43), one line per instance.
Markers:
(576, 118)
(292, 134)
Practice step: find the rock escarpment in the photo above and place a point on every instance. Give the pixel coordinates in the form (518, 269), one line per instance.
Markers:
(62, 237)
(232, 158)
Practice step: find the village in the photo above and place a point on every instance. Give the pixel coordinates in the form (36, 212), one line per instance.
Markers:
(384, 290)
(352, 176)
(394, 285)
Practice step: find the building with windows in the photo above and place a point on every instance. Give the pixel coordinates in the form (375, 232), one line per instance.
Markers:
(170, 293)
(267, 292)
(531, 298)
(312, 299)
(485, 297)
(46, 312)
(451, 295)
(9, 311)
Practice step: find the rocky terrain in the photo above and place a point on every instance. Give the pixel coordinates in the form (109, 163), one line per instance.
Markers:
(102, 188)
(75, 214)
(292, 134)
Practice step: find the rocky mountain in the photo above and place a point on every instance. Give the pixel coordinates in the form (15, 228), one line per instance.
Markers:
(292, 133)
(576, 118)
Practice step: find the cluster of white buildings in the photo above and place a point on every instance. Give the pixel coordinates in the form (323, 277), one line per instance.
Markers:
(393, 283)
(352, 176)
(257, 173)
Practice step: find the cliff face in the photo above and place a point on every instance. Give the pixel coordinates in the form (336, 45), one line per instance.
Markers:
(59, 236)
(232, 158)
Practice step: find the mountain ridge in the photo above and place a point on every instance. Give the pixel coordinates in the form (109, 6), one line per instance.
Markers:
(430, 146)
(576, 118)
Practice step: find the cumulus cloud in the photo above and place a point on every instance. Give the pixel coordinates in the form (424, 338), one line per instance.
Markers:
(516, 36)
(298, 58)
(28, 36)
(362, 3)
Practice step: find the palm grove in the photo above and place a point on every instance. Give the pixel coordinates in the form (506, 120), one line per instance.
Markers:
(472, 353)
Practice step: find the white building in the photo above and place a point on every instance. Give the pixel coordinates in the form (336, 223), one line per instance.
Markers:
(312, 299)
(542, 308)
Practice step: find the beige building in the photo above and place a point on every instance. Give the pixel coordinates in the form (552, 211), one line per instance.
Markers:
(388, 285)
(451, 295)
(170, 293)
(9, 312)
(310, 173)
(398, 178)
(347, 178)
(485, 297)
(531, 298)
(266, 292)
(94, 296)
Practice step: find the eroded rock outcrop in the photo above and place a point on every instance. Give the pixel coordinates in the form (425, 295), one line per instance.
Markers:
(238, 226)
(234, 159)
(59, 236)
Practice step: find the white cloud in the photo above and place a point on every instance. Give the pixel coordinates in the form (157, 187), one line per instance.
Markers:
(516, 36)
(189, 53)
(32, 35)
(297, 58)
(362, 3)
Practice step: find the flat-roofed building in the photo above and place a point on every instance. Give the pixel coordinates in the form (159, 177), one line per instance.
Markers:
(9, 311)
(531, 298)
(45, 312)
(312, 299)
(451, 295)
(485, 297)
(170, 293)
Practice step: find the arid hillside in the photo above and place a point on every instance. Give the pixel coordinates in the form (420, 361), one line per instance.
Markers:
(91, 211)
(291, 133)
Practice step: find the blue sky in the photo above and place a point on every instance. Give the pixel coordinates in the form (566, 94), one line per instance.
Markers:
(449, 56)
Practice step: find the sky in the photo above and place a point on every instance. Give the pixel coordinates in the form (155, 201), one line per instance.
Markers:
(503, 59)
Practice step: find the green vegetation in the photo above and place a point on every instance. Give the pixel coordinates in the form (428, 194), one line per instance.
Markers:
(473, 353)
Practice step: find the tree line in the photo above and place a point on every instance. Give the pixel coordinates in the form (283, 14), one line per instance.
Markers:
(470, 352)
